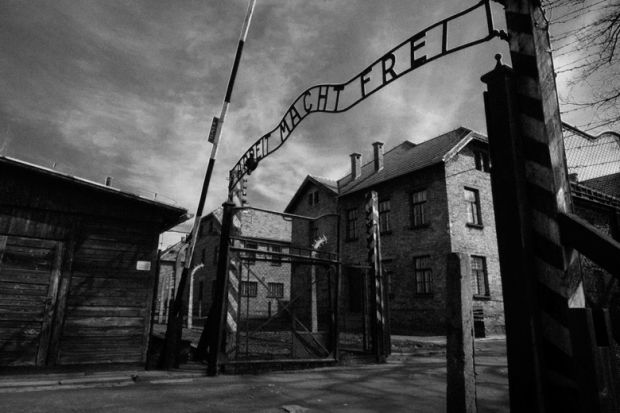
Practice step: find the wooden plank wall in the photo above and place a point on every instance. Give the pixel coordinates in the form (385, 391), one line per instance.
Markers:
(103, 307)
(107, 309)
(103, 302)
(28, 278)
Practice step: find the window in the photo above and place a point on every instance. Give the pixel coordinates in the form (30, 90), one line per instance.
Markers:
(423, 275)
(313, 198)
(351, 227)
(249, 288)
(275, 290)
(211, 228)
(481, 160)
(215, 255)
(251, 256)
(276, 260)
(203, 256)
(418, 209)
(472, 198)
(479, 278)
(315, 234)
(201, 287)
(384, 216)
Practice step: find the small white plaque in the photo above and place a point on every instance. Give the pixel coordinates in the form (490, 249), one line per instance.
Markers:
(143, 265)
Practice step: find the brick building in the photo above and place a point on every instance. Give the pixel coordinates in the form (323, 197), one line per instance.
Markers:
(263, 283)
(171, 262)
(434, 198)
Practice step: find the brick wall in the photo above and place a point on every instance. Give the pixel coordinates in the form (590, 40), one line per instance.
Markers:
(327, 202)
(409, 312)
(260, 226)
(476, 240)
(166, 272)
(205, 252)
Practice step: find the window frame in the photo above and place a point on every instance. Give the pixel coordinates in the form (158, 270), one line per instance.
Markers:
(426, 273)
(313, 198)
(385, 224)
(248, 289)
(250, 256)
(482, 161)
(351, 233)
(475, 277)
(276, 260)
(423, 208)
(477, 218)
(270, 290)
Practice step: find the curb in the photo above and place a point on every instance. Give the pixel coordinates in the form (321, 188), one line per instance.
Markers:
(104, 380)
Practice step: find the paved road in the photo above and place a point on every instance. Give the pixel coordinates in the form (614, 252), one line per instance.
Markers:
(405, 384)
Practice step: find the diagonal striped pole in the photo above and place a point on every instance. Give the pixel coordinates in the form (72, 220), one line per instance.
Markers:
(216, 126)
(173, 331)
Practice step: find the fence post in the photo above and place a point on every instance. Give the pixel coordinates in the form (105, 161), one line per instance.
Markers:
(217, 336)
(461, 382)
(530, 188)
(374, 259)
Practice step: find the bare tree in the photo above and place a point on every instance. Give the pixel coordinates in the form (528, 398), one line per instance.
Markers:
(585, 37)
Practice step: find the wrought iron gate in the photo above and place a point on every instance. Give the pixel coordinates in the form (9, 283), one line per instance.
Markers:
(281, 302)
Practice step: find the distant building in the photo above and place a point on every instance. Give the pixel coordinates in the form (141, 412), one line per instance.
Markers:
(264, 284)
(77, 268)
(607, 184)
(434, 198)
(171, 263)
(594, 201)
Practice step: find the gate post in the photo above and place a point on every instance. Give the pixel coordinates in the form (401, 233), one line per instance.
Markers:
(530, 187)
(379, 341)
(461, 385)
(217, 337)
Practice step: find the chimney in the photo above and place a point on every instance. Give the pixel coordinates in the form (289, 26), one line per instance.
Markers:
(378, 155)
(108, 181)
(356, 166)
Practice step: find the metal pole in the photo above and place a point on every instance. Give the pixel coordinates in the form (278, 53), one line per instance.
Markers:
(218, 131)
(174, 323)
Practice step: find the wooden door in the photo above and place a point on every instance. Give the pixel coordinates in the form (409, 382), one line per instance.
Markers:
(29, 277)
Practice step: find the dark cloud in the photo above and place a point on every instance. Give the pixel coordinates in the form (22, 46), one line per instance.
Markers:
(128, 88)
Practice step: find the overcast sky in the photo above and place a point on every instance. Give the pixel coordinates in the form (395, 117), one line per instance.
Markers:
(128, 88)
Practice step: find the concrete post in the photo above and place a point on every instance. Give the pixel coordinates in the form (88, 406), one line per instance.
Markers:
(190, 301)
(461, 383)
(314, 321)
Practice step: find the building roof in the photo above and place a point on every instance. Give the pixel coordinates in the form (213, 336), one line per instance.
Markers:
(409, 157)
(329, 184)
(172, 252)
(217, 214)
(609, 184)
(179, 214)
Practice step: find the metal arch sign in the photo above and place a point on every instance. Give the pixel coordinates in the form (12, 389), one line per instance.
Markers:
(335, 98)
